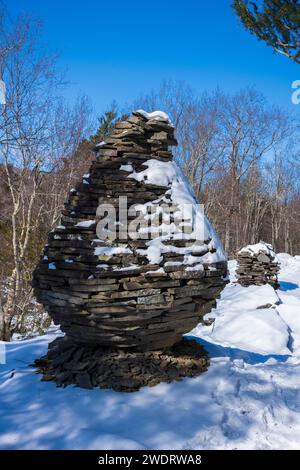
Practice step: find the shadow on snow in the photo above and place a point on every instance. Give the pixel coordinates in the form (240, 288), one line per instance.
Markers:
(284, 286)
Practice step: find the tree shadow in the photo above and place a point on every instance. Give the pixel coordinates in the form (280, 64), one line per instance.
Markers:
(214, 410)
(285, 286)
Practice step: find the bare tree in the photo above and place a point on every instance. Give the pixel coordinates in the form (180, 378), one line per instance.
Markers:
(36, 129)
(68, 156)
(281, 176)
(196, 121)
(224, 142)
(250, 129)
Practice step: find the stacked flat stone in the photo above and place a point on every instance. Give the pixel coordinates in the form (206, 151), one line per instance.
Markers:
(113, 293)
(67, 363)
(257, 264)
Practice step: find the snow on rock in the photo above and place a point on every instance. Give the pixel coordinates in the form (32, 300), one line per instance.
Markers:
(155, 115)
(196, 267)
(85, 178)
(261, 247)
(126, 268)
(128, 168)
(246, 399)
(103, 266)
(156, 248)
(157, 172)
(109, 251)
(168, 174)
(85, 223)
(156, 271)
(154, 251)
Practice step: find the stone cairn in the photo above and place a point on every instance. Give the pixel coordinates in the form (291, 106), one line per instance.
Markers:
(124, 305)
(257, 264)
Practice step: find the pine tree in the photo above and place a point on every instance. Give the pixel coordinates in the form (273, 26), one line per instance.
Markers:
(106, 123)
(277, 22)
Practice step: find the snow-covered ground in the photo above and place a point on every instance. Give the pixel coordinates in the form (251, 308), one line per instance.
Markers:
(248, 399)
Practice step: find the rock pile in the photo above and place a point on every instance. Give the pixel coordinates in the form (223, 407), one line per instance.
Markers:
(257, 264)
(122, 283)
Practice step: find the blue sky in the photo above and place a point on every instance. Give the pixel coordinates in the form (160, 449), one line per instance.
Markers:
(120, 49)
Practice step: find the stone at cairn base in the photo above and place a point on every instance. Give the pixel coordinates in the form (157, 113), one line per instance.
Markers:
(67, 363)
(257, 265)
(124, 302)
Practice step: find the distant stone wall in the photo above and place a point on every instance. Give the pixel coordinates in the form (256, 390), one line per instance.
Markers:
(257, 264)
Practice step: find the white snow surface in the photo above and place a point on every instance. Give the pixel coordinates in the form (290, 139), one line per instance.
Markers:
(248, 399)
(241, 322)
(155, 115)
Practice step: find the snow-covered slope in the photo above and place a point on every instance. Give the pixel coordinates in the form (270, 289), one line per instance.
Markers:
(245, 320)
(249, 398)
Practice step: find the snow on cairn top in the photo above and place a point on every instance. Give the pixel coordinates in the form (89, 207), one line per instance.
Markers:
(155, 115)
(261, 247)
(165, 173)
